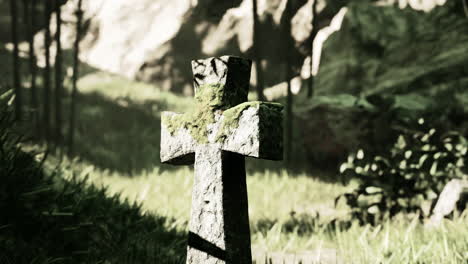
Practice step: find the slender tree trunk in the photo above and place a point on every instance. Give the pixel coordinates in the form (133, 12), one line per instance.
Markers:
(71, 133)
(58, 75)
(289, 98)
(313, 34)
(30, 21)
(47, 80)
(257, 53)
(465, 7)
(16, 63)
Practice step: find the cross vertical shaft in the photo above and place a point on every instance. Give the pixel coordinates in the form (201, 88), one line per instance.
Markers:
(219, 223)
(216, 136)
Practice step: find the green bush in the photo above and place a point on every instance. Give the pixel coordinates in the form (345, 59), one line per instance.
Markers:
(414, 170)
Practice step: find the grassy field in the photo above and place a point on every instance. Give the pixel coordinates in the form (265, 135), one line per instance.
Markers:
(292, 214)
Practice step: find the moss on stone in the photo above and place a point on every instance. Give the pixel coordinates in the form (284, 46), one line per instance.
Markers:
(210, 99)
(195, 122)
(211, 95)
(232, 115)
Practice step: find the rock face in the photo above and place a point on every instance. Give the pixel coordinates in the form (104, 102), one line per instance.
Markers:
(376, 61)
(333, 127)
(417, 62)
(448, 199)
(151, 40)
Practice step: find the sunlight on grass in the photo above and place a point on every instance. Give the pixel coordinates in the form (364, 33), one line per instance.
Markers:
(124, 91)
(118, 149)
(294, 213)
(272, 195)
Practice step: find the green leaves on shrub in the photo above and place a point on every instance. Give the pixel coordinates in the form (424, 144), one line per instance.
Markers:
(414, 170)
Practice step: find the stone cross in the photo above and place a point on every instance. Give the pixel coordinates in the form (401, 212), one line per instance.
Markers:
(216, 136)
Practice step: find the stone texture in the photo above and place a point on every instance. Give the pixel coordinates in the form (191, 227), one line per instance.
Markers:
(149, 40)
(219, 224)
(331, 128)
(448, 200)
(416, 62)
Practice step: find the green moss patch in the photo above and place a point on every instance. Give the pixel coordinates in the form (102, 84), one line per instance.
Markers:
(210, 99)
(211, 95)
(195, 122)
(232, 115)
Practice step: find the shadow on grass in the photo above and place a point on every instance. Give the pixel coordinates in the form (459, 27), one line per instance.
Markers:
(119, 136)
(53, 220)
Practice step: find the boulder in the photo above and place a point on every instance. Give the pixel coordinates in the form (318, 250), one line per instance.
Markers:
(418, 64)
(418, 51)
(332, 127)
(151, 41)
(450, 196)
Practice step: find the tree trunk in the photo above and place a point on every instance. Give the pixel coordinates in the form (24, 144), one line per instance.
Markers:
(47, 82)
(465, 7)
(257, 53)
(30, 11)
(58, 75)
(71, 133)
(289, 99)
(16, 63)
(313, 34)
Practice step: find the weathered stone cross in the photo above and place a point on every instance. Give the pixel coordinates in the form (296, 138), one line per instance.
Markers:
(216, 136)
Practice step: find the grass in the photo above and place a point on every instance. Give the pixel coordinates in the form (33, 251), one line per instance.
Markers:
(296, 215)
(290, 212)
(47, 219)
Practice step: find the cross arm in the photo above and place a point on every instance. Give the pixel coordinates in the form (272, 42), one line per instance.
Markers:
(254, 129)
(177, 145)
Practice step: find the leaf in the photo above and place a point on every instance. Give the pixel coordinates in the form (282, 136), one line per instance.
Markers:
(360, 154)
(426, 147)
(373, 189)
(448, 146)
(401, 143)
(6, 94)
(358, 170)
(422, 159)
(425, 138)
(413, 102)
(12, 99)
(402, 164)
(343, 167)
(433, 169)
(408, 154)
(373, 209)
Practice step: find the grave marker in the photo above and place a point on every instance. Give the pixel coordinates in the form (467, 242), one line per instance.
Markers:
(216, 136)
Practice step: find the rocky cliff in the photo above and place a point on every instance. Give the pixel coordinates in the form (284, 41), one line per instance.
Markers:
(154, 41)
(384, 67)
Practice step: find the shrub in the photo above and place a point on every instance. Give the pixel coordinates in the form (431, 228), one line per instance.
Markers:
(414, 170)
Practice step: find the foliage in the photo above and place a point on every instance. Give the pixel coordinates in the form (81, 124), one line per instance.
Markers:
(415, 169)
(47, 219)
